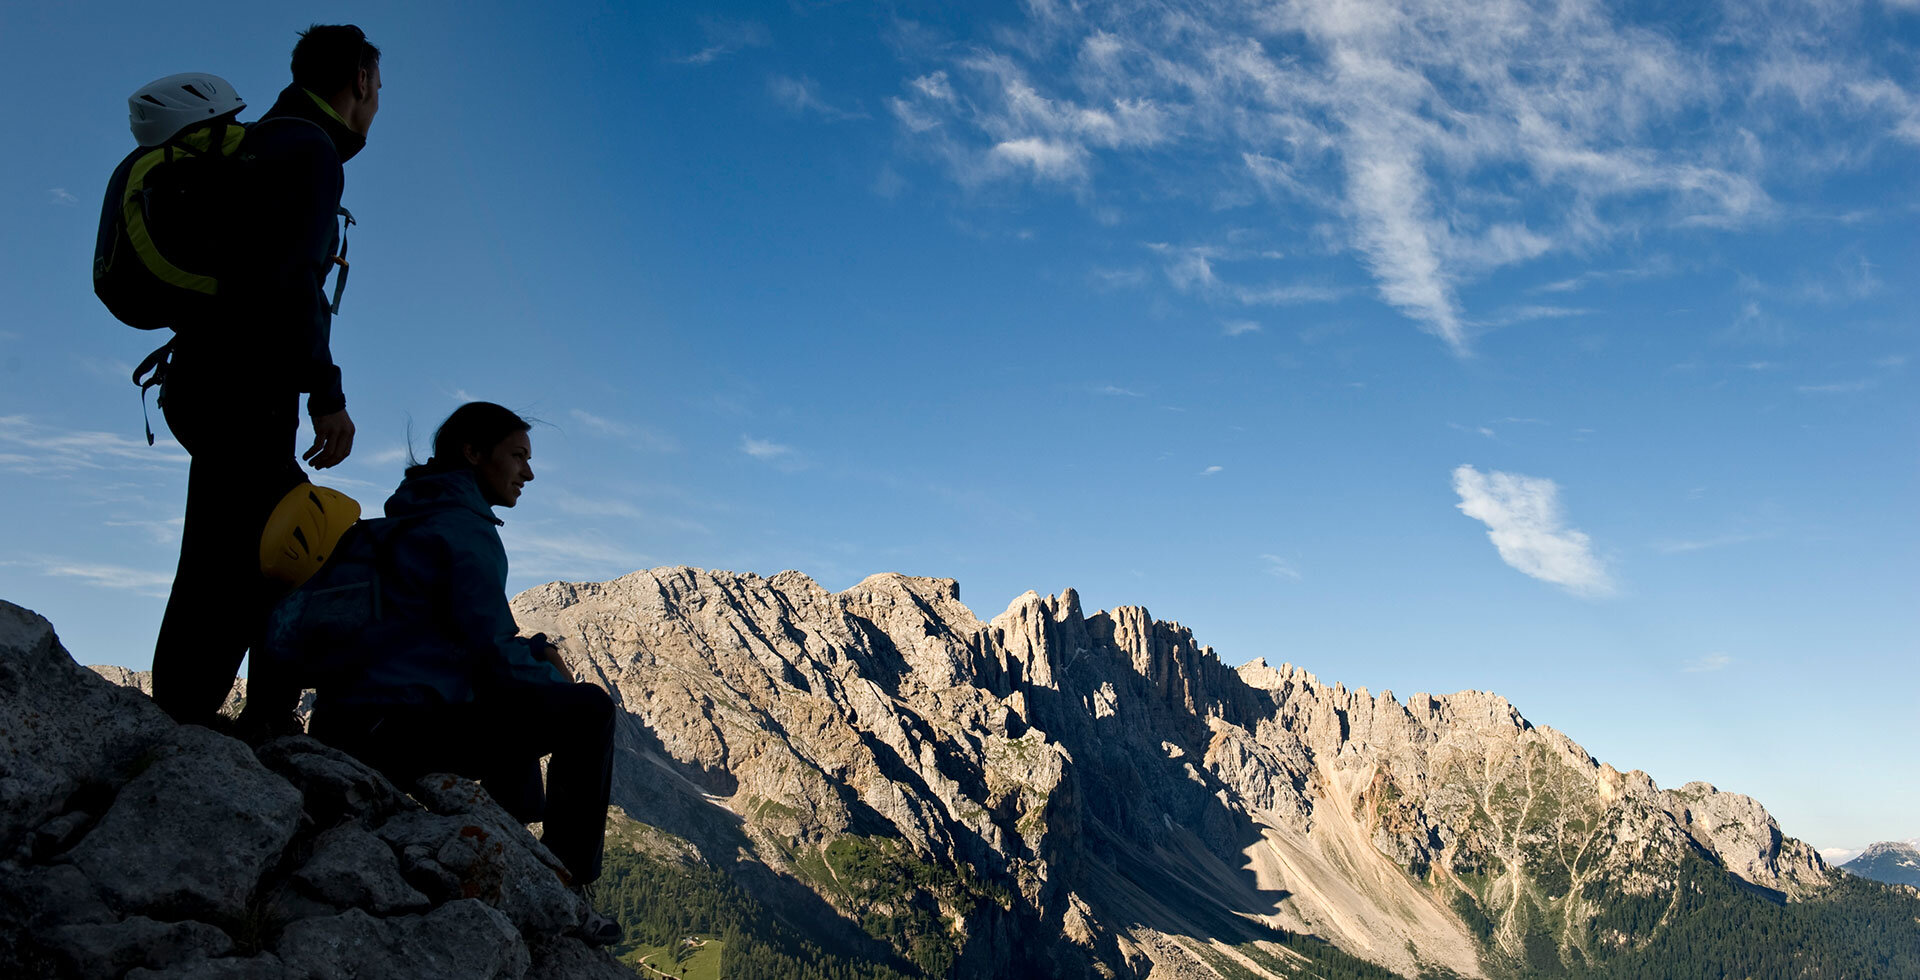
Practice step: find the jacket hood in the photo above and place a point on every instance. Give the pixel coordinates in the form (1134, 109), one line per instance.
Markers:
(456, 490)
(301, 103)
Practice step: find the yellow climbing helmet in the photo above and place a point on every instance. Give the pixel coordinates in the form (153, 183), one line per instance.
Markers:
(304, 528)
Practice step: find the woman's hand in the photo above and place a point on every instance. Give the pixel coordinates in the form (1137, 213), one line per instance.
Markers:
(548, 650)
(545, 649)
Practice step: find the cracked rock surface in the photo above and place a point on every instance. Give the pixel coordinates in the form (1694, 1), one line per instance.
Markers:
(134, 847)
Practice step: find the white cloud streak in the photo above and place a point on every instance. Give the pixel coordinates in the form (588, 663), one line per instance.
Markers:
(1708, 663)
(119, 577)
(763, 449)
(1442, 140)
(780, 456)
(536, 553)
(1279, 567)
(801, 96)
(160, 532)
(725, 38)
(602, 425)
(1688, 545)
(42, 450)
(1523, 519)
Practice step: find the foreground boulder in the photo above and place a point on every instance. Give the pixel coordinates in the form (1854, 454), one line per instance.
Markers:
(134, 847)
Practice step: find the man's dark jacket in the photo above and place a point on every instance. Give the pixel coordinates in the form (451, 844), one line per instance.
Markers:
(275, 321)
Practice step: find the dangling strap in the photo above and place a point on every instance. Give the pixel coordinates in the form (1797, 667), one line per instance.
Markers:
(340, 278)
(155, 369)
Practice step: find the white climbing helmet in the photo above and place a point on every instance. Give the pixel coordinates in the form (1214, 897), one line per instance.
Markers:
(165, 106)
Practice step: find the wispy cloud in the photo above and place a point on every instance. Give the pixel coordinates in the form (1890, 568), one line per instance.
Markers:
(391, 456)
(1117, 391)
(1441, 141)
(1236, 328)
(1044, 158)
(726, 37)
(61, 196)
(575, 505)
(801, 96)
(1683, 546)
(600, 424)
(1124, 278)
(39, 449)
(764, 449)
(1523, 519)
(778, 455)
(639, 437)
(1524, 314)
(1279, 567)
(1659, 265)
(160, 532)
(1212, 471)
(539, 553)
(1196, 269)
(140, 581)
(1838, 387)
(1708, 663)
(1294, 294)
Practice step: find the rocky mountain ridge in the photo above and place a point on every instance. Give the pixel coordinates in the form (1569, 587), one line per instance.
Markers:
(1099, 795)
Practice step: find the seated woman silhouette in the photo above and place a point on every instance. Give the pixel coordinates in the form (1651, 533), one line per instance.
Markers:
(454, 688)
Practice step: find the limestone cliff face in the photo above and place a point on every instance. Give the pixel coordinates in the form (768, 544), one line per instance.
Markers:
(1107, 796)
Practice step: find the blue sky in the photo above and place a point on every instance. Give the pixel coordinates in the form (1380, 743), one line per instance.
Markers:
(1562, 352)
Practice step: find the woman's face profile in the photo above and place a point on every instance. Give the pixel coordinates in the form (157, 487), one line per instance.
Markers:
(505, 470)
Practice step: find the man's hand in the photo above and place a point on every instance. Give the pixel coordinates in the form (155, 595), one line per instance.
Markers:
(332, 440)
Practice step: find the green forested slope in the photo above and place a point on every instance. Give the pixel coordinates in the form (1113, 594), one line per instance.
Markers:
(657, 902)
(1711, 927)
(1717, 930)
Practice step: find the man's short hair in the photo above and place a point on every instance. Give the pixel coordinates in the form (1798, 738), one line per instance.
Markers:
(329, 57)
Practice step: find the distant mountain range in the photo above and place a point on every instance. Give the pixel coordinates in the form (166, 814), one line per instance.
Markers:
(1894, 862)
(1057, 794)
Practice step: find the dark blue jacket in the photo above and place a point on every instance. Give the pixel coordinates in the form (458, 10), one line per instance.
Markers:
(275, 323)
(446, 629)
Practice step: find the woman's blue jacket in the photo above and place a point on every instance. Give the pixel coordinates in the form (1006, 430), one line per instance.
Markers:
(447, 630)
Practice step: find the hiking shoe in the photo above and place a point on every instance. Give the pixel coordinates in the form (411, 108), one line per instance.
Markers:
(598, 930)
(257, 728)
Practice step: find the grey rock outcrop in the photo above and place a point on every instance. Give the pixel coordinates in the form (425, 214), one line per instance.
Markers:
(135, 847)
(351, 868)
(265, 966)
(111, 949)
(468, 847)
(335, 785)
(464, 938)
(150, 852)
(46, 759)
(1746, 839)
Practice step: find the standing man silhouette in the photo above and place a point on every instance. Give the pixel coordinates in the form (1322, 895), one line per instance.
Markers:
(232, 385)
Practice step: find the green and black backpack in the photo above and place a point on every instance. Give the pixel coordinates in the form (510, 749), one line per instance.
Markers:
(164, 227)
(167, 226)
